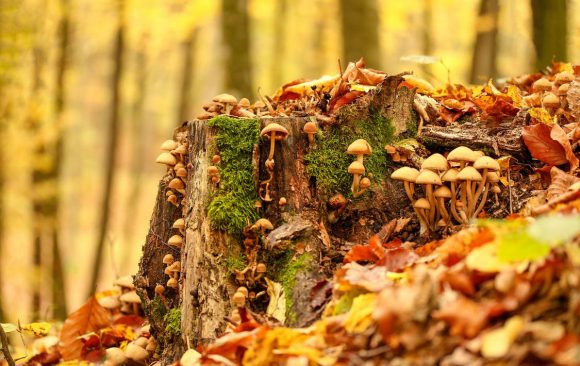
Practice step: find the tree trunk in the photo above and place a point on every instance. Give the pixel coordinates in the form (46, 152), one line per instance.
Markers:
(280, 42)
(236, 40)
(483, 64)
(360, 31)
(113, 133)
(549, 31)
(426, 33)
(309, 238)
(185, 99)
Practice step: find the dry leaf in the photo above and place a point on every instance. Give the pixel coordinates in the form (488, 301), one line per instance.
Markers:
(542, 146)
(88, 318)
(277, 306)
(561, 181)
(558, 134)
(496, 343)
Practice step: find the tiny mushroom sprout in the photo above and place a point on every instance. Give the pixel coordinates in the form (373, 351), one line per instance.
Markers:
(274, 132)
(356, 168)
(282, 201)
(486, 164)
(176, 241)
(428, 178)
(360, 148)
(422, 207)
(469, 175)
(310, 129)
(364, 184)
(214, 174)
(168, 259)
(227, 101)
(496, 190)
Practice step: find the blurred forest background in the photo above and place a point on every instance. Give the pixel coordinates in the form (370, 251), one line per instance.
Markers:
(89, 89)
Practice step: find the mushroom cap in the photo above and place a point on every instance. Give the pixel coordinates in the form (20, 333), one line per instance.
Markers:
(442, 192)
(176, 183)
(115, 355)
(130, 297)
(205, 115)
(180, 150)
(109, 302)
(428, 177)
(359, 147)
(551, 100)
(212, 170)
(422, 203)
(563, 89)
(239, 298)
(450, 175)
(356, 168)
(125, 282)
(495, 189)
(261, 268)
(435, 162)
(364, 183)
(492, 177)
(337, 200)
(225, 99)
(175, 240)
(405, 173)
(172, 283)
(310, 127)
(244, 102)
(159, 289)
(485, 162)
(264, 224)
(175, 266)
(169, 145)
(280, 131)
(282, 201)
(469, 173)
(216, 159)
(462, 153)
(168, 259)
(136, 353)
(166, 158)
(259, 104)
(179, 224)
(564, 77)
(181, 172)
(541, 85)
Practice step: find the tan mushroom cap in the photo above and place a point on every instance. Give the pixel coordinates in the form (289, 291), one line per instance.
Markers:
(359, 147)
(212, 170)
(435, 162)
(109, 302)
(310, 127)
(462, 153)
(125, 282)
(450, 175)
(356, 168)
(405, 173)
(495, 189)
(168, 259)
(280, 131)
(166, 158)
(264, 224)
(176, 183)
(261, 268)
(136, 353)
(159, 289)
(422, 203)
(551, 100)
(492, 177)
(180, 150)
(364, 183)
(225, 98)
(172, 283)
(442, 192)
(169, 145)
(179, 224)
(428, 177)
(485, 162)
(176, 241)
(244, 102)
(564, 77)
(239, 298)
(115, 356)
(441, 223)
(541, 85)
(130, 297)
(563, 89)
(469, 173)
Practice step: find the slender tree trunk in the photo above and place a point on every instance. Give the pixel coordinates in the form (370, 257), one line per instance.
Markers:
(360, 31)
(185, 97)
(550, 31)
(236, 40)
(5, 115)
(114, 124)
(483, 64)
(279, 41)
(426, 30)
(58, 282)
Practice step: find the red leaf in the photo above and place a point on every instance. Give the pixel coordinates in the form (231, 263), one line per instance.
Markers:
(397, 259)
(347, 98)
(542, 146)
(133, 321)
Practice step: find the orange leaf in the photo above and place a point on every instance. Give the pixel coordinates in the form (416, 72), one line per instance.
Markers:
(558, 134)
(542, 146)
(88, 318)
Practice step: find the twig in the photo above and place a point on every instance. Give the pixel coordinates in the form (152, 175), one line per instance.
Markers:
(5, 349)
(510, 189)
(563, 198)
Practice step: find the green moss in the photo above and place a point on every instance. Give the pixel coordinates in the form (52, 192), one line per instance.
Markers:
(158, 308)
(232, 207)
(345, 302)
(173, 321)
(234, 260)
(328, 163)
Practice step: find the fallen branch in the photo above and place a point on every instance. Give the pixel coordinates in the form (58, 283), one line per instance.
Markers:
(563, 198)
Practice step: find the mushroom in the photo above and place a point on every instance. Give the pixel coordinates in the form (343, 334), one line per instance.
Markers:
(440, 195)
(551, 102)
(166, 158)
(176, 184)
(338, 203)
(176, 241)
(244, 103)
(429, 178)
(115, 356)
(151, 345)
(421, 206)
(260, 270)
(179, 224)
(363, 185)
(133, 299)
(282, 201)
(180, 151)
(451, 177)
(356, 168)
(463, 155)
(205, 115)
(486, 164)
(172, 199)
(125, 283)
(262, 225)
(214, 174)
(436, 163)
(168, 259)
(490, 178)
(274, 132)
(408, 176)
(239, 299)
(110, 303)
(360, 148)
(136, 353)
(563, 77)
(172, 283)
(542, 85)
(216, 159)
(468, 175)
(496, 190)
(227, 101)
(169, 145)
(181, 172)
(310, 129)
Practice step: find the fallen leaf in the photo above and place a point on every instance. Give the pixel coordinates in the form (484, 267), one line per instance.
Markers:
(560, 182)
(542, 146)
(88, 318)
(38, 329)
(497, 342)
(464, 316)
(277, 305)
(8, 327)
(558, 134)
(359, 317)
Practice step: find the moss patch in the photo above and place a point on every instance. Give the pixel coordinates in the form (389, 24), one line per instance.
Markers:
(232, 207)
(234, 260)
(173, 321)
(328, 163)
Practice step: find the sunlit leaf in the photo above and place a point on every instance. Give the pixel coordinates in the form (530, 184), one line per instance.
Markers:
(421, 59)
(496, 343)
(38, 329)
(8, 327)
(554, 229)
(520, 246)
(360, 314)
(277, 306)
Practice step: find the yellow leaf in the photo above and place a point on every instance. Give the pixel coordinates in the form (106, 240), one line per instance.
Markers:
(541, 115)
(362, 88)
(277, 306)
(8, 327)
(497, 342)
(484, 259)
(39, 329)
(360, 314)
(504, 162)
(324, 84)
(514, 93)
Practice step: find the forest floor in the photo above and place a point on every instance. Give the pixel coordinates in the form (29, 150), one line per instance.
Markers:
(489, 277)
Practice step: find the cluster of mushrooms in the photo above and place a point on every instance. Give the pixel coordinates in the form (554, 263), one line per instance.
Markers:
(552, 95)
(360, 148)
(462, 182)
(226, 104)
(128, 303)
(173, 156)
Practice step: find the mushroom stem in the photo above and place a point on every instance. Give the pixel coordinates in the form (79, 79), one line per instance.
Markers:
(453, 200)
(355, 184)
(433, 204)
(409, 190)
(443, 210)
(272, 145)
(483, 198)
(480, 187)
(360, 158)
(310, 139)
(469, 198)
(423, 220)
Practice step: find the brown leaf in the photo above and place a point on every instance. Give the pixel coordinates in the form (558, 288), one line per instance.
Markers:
(464, 316)
(558, 134)
(88, 318)
(542, 146)
(561, 181)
